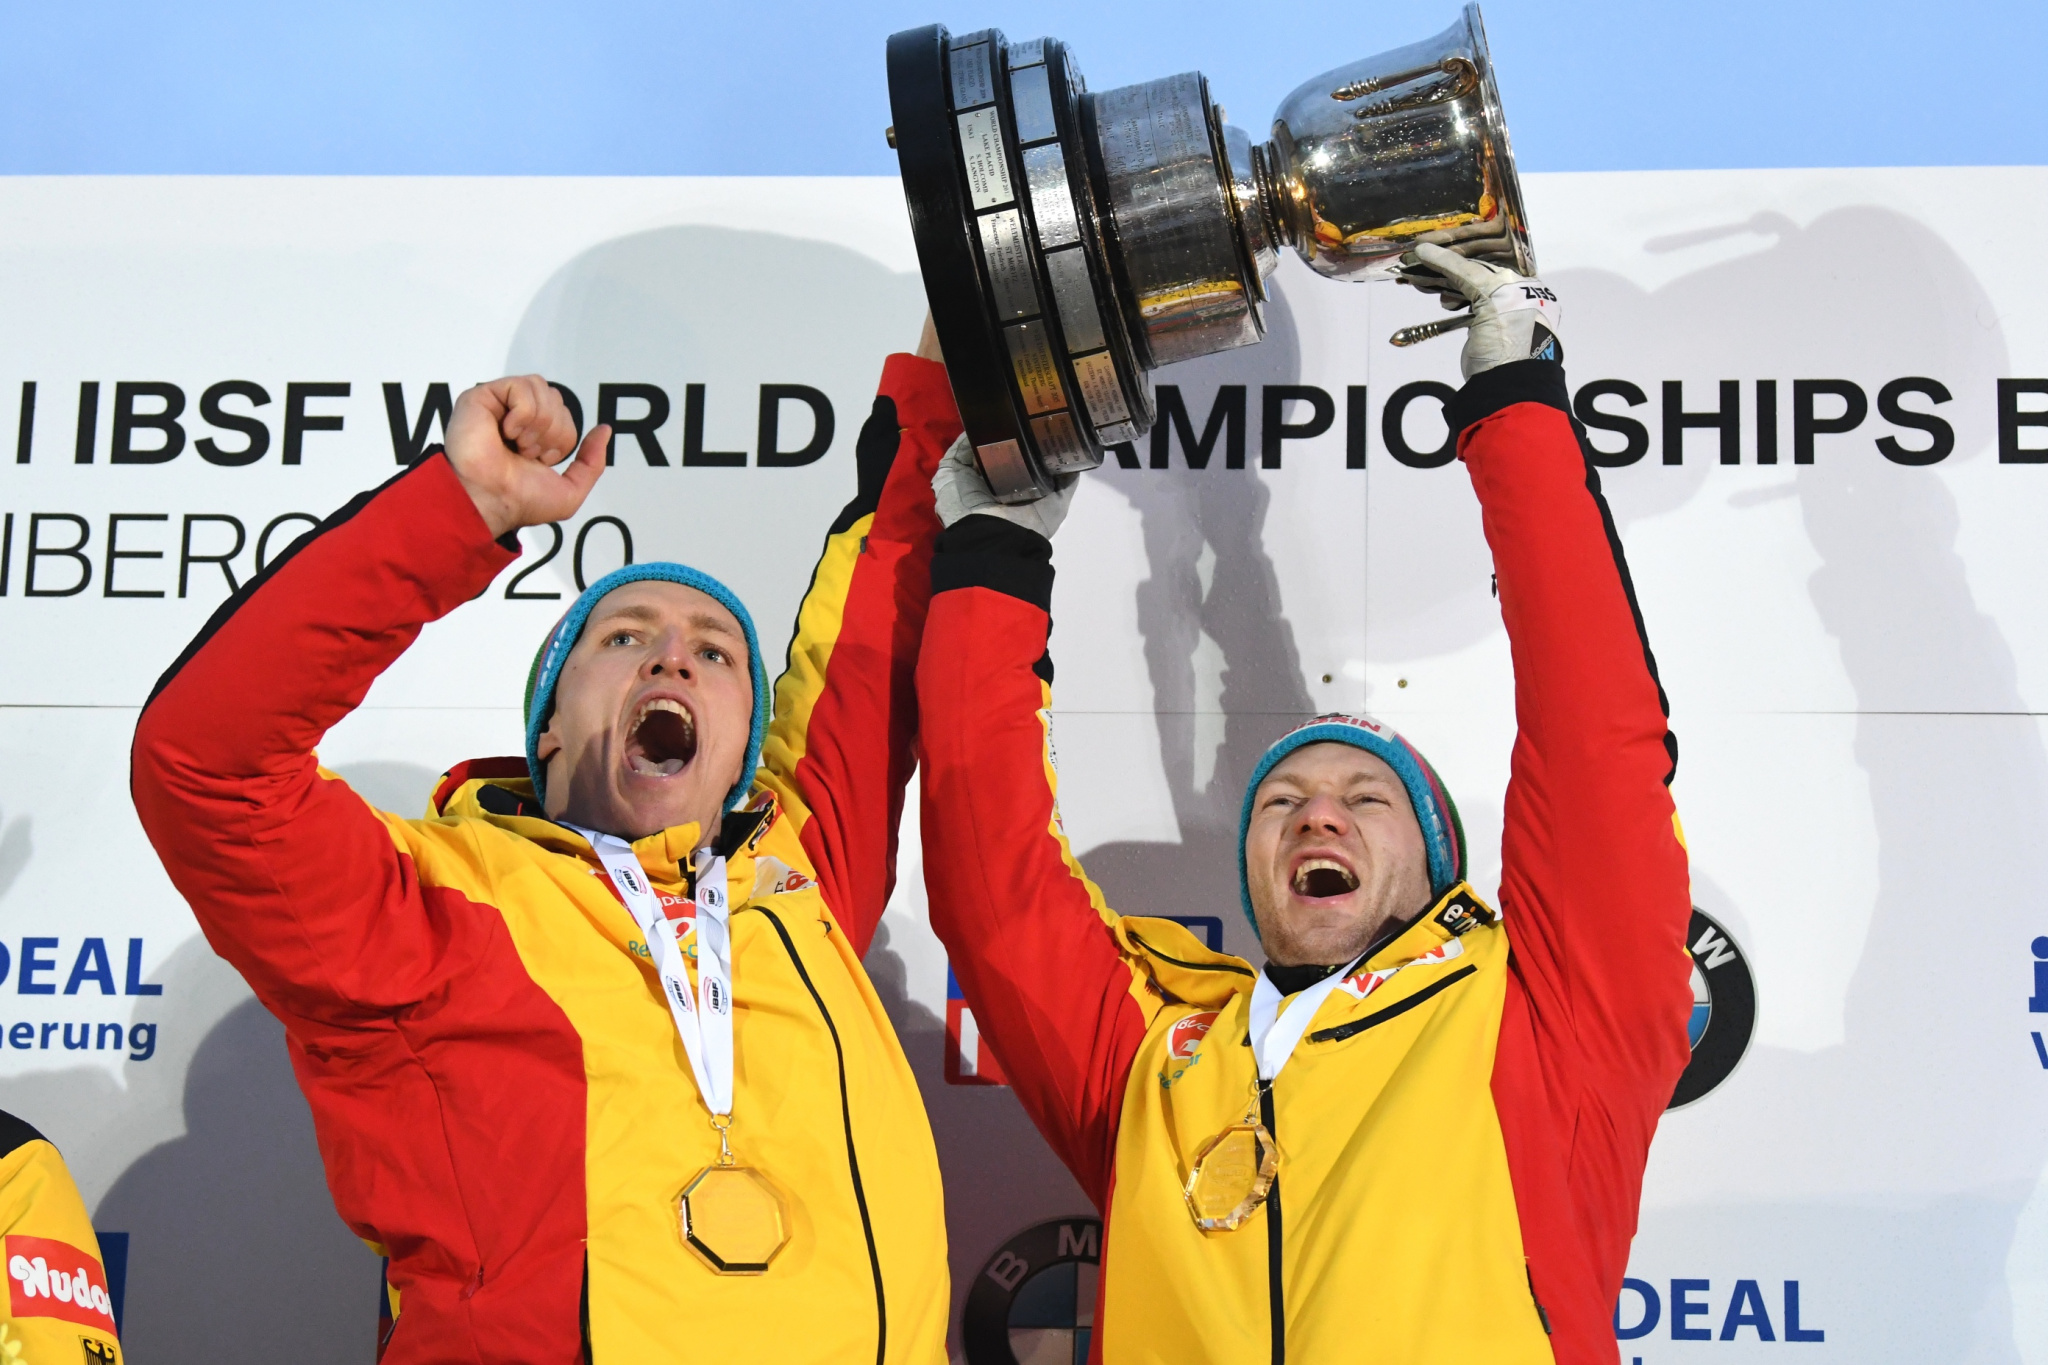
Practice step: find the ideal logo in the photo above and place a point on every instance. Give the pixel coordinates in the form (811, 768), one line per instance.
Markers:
(1641, 1308)
(91, 966)
(1035, 1299)
(1723, 1009)
(38, 969)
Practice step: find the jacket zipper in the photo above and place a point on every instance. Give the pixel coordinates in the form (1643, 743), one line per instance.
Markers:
(1530, 1273)
(860, 1197)
(1340, 1032)
(1276, 1289)
(1276, 1292)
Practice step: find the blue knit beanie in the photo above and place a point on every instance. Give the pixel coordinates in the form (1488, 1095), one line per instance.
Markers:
(1443, 835)
(554, 652)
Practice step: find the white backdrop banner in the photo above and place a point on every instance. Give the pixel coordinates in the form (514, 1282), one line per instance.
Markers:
(1822, 397)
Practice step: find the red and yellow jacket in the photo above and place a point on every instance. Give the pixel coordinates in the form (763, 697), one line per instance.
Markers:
(58, 1307)
(501, 1099)
(1464, 1126)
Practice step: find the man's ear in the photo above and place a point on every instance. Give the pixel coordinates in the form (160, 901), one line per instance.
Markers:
(547, 748)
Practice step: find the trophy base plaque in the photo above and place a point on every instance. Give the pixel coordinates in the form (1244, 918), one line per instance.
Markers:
(989, 139)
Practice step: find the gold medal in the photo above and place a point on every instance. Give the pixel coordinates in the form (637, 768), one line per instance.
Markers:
(1233, 1174)
(732, 1217)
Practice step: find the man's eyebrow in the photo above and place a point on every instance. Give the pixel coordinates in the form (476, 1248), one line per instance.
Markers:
(704, 620)
(699, 620)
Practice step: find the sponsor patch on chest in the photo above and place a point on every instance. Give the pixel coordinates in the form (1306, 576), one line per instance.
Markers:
(1361, 984)
(1184, 1045)
(773, 877)
(1188, 1033)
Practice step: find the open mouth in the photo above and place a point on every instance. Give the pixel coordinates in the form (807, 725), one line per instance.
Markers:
(663, 739)
(1319, 878)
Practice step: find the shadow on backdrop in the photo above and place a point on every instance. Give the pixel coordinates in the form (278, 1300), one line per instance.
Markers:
(1222, 659)
(694, 310)
(1428, 569)
(1901, 1160)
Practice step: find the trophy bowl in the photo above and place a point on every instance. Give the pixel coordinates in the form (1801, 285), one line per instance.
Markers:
(1072, 241)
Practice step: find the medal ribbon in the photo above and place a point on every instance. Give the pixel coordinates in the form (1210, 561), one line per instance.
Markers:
(1276, 1030)
(704, 1015)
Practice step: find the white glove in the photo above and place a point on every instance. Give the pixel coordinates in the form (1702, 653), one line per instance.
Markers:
(1514, 317)
(962, 491)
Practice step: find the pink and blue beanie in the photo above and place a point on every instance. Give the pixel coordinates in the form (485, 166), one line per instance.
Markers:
(1443, 834)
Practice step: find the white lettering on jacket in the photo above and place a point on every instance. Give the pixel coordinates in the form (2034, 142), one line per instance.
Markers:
(39, 1281)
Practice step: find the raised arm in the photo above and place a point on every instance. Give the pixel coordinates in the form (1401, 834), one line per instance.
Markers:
(1594, 878)
(295, 880)
(838, 751)
(1029, 936)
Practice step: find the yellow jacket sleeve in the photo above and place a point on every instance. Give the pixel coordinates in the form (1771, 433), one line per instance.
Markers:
(58, 1310)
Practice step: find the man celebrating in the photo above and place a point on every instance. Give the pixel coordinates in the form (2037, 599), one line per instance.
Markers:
(1419, 1133)
(590, 1050)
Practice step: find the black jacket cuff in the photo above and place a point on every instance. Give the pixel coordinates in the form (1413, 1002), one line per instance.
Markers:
(1503, 386)
(989, 552)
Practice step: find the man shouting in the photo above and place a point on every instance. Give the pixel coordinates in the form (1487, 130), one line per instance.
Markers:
(1418, 1133)
(589, 1049)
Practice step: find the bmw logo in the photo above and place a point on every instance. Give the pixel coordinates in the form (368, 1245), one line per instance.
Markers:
(1035, 1299)
(1723, 1009)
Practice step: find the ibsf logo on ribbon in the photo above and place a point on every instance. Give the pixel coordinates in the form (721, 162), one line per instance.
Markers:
(47, 1278)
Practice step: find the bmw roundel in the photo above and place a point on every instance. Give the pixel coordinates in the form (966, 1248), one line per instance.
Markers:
(1035, 1299)
(1723, 1009)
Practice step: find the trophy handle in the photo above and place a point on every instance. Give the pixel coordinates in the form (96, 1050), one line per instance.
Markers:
(1409, 336)
(1460, 78)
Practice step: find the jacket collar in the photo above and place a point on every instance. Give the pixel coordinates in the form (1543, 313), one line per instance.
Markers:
(499, 792)
(1182, 969)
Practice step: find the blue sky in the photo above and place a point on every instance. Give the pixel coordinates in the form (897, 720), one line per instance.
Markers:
(232, 86)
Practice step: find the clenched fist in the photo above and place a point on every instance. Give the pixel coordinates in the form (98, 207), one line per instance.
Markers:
(505, 440)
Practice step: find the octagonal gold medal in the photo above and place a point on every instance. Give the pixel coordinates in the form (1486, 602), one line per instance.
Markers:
(1233, 1173)
(733, 1219)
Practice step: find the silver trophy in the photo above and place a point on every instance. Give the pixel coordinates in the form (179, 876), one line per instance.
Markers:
(1073, 241)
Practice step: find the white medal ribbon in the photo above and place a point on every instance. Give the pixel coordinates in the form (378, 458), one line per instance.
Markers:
(703, 1016)
(1276, 1031)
